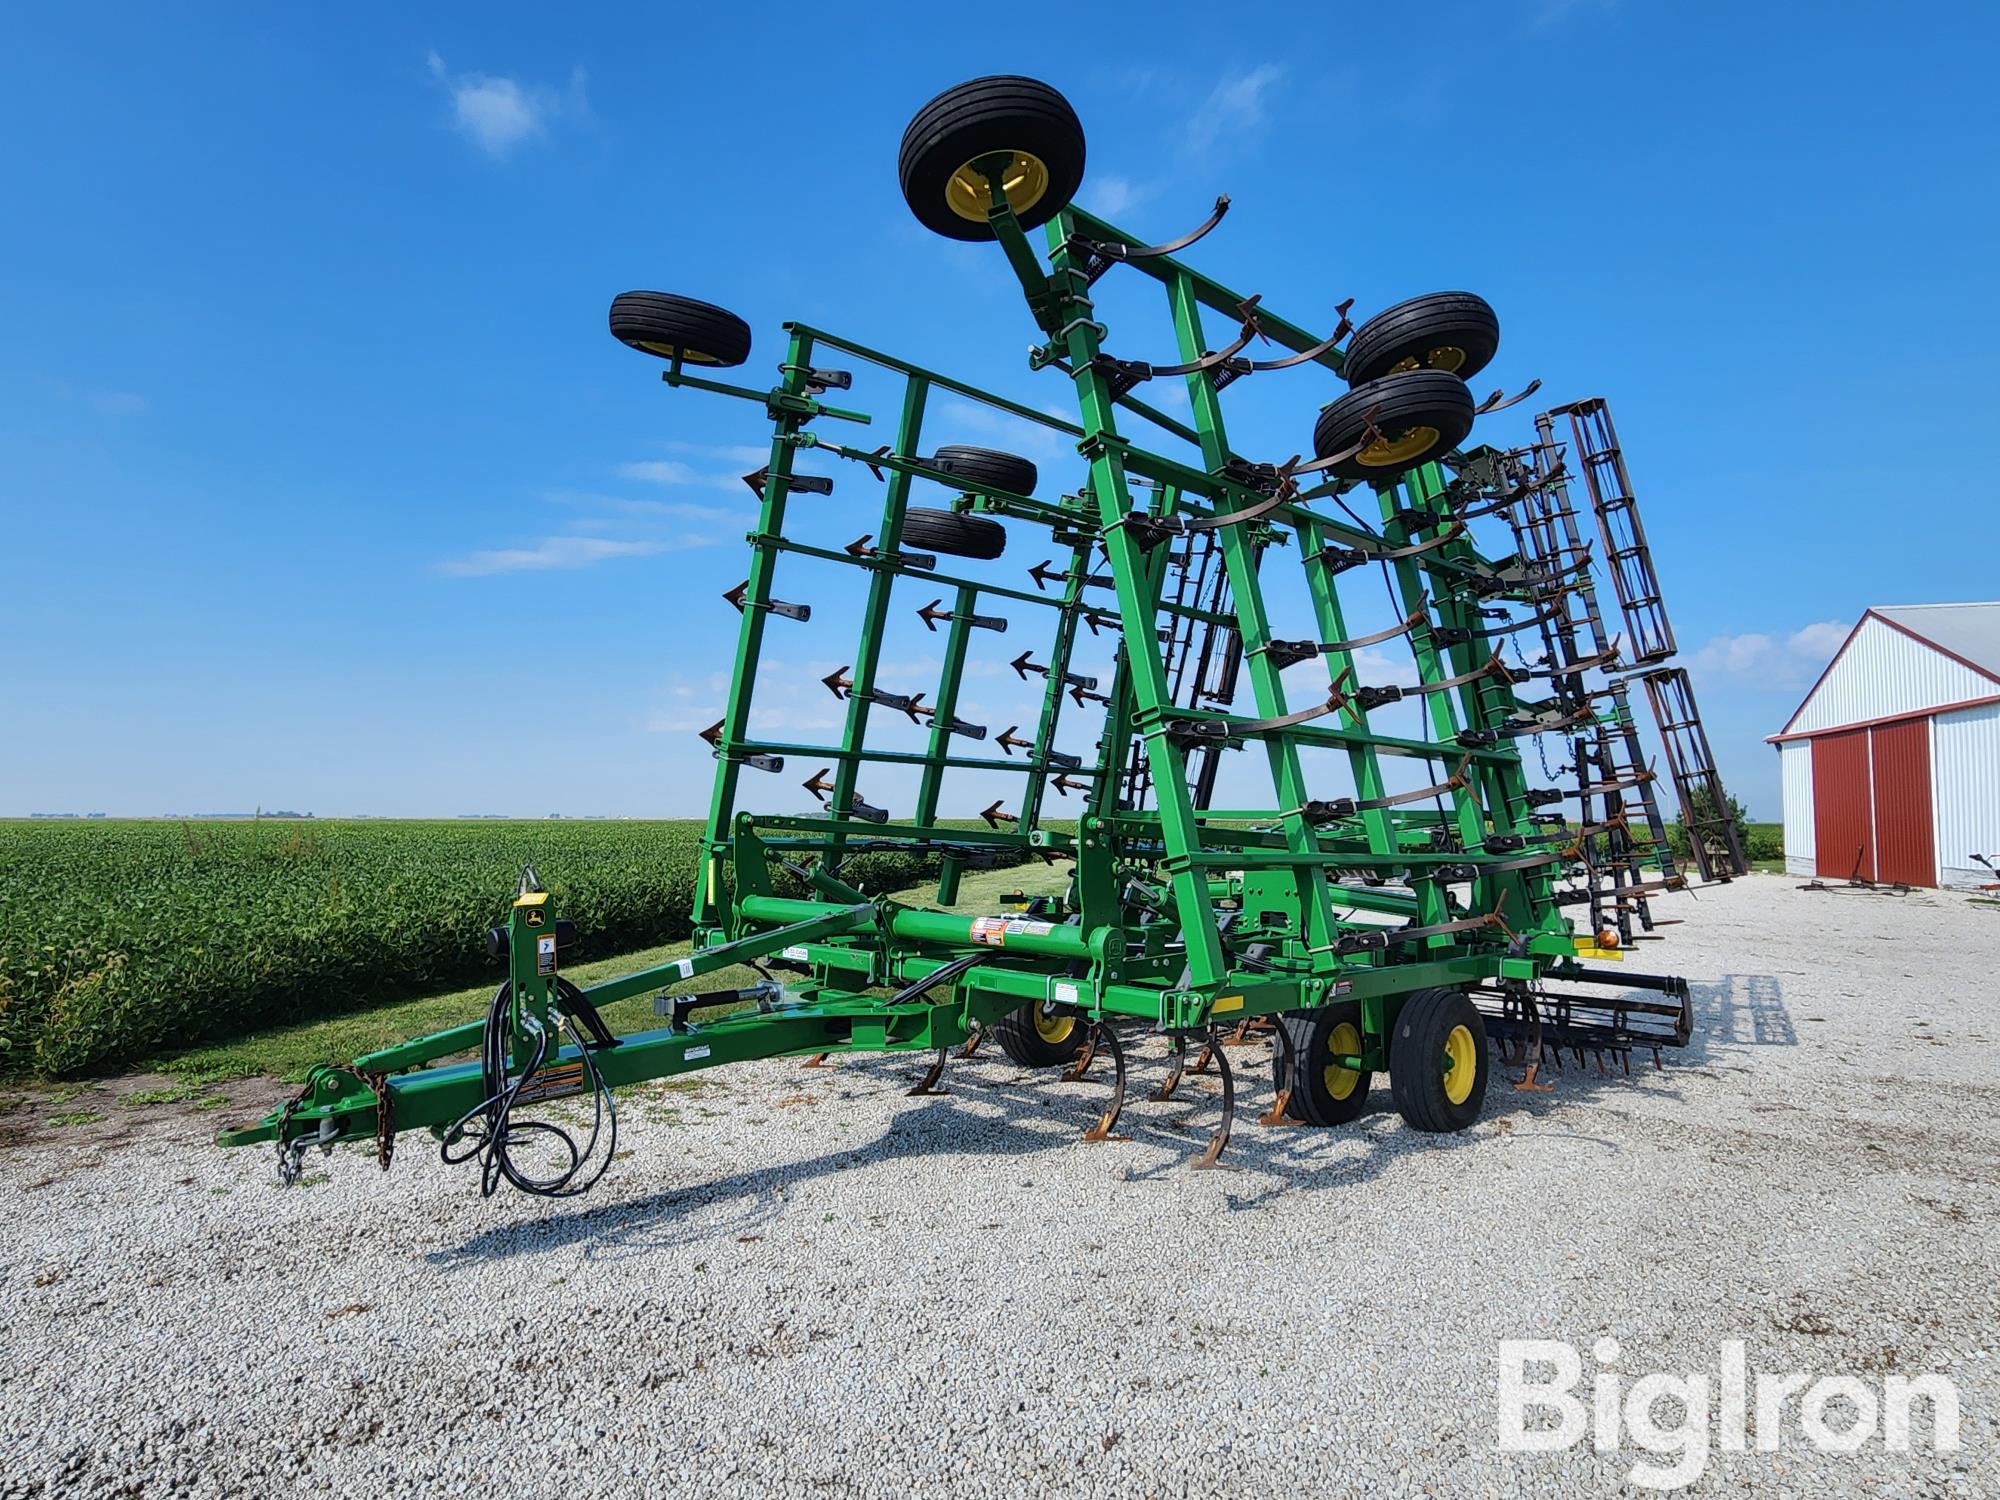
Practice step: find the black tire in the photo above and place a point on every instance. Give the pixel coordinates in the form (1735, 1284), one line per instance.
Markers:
(1420, 416)
(1456, 332)
(982, 118)
(955, 535)
(662, 324)
(980, 467)
(1321, 1093)
(1438, 1032)
(1035, 1036)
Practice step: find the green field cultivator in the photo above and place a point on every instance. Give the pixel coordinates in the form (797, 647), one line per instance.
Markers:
(1384, 903)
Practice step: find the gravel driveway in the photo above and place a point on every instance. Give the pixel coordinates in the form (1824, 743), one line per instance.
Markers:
(803, 1282)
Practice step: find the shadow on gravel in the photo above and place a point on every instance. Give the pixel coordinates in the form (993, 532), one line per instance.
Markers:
(1738, 1010)
(995, 1111)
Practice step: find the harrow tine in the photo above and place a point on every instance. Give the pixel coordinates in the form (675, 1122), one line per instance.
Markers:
(817, 1060)
(927, 1086)
(1498, 402)
(1219, 1137)
(1178, 1057)
(1108, 1121)
(972, 1042)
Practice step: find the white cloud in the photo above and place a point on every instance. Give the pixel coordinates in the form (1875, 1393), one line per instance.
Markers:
(1777, 662)
(671, 471)
(1109, 197)
(731, 453)
(497, 114)
(1234, 104)
(550, 552)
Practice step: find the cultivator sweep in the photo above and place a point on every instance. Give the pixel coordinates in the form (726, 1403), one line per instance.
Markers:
(1392, 899)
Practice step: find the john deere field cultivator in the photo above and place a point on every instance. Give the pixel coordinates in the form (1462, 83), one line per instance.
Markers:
(1385, 902)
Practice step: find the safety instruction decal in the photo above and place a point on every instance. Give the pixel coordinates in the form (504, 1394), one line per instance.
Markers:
(993, 932)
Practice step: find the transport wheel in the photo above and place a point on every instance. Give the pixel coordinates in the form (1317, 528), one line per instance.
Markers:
(1037, 1037)
(1022, 128)
(1437, 1061)
(1419, 415)
(979, 467)
(1323, 1092)
(663, 324)
(1455, 332)
(949, 532)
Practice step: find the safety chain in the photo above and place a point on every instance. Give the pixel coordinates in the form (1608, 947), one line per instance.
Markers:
(291, 1153)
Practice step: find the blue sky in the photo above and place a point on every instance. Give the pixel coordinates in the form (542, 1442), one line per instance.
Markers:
(325, 487)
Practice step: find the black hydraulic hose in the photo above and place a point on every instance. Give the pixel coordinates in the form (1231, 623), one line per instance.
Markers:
(489, 1130)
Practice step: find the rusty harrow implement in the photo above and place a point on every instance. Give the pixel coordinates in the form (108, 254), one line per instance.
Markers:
(1386, 899)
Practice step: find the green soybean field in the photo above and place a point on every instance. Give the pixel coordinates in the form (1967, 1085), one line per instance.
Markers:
(120, 938)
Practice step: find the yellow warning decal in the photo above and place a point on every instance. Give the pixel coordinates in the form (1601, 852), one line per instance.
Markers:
(531, 898)
(1226, 1003)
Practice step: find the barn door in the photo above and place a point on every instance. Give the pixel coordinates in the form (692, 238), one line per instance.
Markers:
(1901, 759)
(1843, 797)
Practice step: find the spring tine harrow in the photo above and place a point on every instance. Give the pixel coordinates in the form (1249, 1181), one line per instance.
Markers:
(1105, 1035)
(1206, 1158)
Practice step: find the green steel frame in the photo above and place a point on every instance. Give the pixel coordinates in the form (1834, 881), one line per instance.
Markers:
(1164, 899)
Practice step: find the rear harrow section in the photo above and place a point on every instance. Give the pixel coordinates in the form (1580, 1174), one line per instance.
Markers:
(1289, 817)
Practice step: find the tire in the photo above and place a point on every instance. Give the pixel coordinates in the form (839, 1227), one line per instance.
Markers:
(1321, 1093)
(1455, 332)
(1036, 1037)
(662, 324)
(1421, 415)
(980, 467)
(1020, 116)
(1438, 1033)
(948, 532)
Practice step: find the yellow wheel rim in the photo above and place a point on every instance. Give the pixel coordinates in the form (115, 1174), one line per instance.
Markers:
(1461, 1064)
(1024, 178)
(1342, 1041)
(1446, 357)
(1398, 452)
(1053, 1029)
(687, 356)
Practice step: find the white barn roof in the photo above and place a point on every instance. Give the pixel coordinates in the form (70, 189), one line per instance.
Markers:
(1904, 660)
(1971, 632)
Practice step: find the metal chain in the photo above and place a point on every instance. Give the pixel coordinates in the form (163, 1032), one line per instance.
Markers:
(291, 1153)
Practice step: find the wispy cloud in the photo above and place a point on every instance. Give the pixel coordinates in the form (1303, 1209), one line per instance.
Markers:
(620, 505)
(671, 471)
(728, 453)
(498, 113)
(1110, 197)
(1785, 662)
(550, 552)
(1236, 104)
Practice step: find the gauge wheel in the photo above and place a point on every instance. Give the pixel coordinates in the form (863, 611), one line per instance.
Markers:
(948, 532)
(1323, 1091)
(1418, 415)
(695, 333)
(1019, 127)
(1456, 332)
(984, 467)
(1438, 1061)
(1039, 1035)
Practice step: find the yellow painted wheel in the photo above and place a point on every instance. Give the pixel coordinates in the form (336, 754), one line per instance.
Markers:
(1343, 1041)
(1053, 1028)
(1319, 1090)
(1397, 452)
(1024, 178)
(1461, 1064)
(1438, 1060)
(1447, 357)
(1038, 1035)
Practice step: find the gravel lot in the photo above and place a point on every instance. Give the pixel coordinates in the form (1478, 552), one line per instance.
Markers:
(802, 1282)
